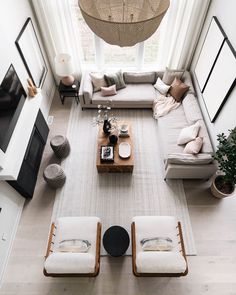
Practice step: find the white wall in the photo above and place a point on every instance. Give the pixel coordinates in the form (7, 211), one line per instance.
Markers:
(225, 12)
(13, 14)
(11, 204)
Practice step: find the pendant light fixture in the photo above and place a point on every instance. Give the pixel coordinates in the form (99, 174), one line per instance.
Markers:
(123, 22)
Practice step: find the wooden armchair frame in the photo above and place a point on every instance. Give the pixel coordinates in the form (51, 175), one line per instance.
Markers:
(181, 242)
(97, 258)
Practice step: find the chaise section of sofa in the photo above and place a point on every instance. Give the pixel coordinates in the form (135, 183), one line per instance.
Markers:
(176, 163)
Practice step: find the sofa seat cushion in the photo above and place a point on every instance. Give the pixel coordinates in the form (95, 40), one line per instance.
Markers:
(133, 93)
(158, 261)
(69, 263)
(169, 128)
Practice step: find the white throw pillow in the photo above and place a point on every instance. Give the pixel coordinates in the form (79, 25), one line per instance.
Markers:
(98, 81)
(188, 133)
(157, 244)
(74, 245)
(194, 146)
(161, 86)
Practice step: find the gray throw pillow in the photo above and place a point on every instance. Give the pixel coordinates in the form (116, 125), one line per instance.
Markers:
(143, 77)
(170, 75)
(115, 78)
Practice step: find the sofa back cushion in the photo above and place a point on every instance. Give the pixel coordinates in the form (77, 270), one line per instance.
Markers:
(203, 132)
(142, 77)
(186, 78)
(170, 75)
(191, 109)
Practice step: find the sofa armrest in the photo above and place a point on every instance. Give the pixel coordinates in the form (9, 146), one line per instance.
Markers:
(86, 89)
(187, 166)
(176, 171)
(188, 159)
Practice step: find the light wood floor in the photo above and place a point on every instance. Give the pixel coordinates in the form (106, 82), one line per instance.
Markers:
(212, 271)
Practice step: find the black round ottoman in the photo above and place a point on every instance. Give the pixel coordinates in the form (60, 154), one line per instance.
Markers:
(116, 240)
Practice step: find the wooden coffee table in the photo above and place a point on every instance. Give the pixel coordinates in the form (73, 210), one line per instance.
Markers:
(119, 164)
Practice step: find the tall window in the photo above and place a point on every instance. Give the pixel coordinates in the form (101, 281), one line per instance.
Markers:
(151, 48)
(86, 36)
(116, 55)
(103, 54)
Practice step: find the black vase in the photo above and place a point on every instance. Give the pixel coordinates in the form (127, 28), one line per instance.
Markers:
(113, 138)
(106, 127)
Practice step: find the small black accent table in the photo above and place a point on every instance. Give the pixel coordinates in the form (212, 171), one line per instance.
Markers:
(69, 91)
(116, 240)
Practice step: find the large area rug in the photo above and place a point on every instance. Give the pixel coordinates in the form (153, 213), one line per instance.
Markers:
(116, 198)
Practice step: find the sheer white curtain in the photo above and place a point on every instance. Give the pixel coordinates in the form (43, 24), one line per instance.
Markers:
(59, 29)
(183, 25)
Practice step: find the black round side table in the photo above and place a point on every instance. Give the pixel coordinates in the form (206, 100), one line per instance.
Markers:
(116, 240)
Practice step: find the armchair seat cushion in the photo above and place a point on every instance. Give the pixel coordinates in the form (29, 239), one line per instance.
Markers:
(70, 263)
(160, 262)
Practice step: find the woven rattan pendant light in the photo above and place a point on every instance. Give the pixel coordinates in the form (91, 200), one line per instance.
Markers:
(123, 22)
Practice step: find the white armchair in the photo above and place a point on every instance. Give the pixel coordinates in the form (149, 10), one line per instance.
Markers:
(158, 263)
(59, 263)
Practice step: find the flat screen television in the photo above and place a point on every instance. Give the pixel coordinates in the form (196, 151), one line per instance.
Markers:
(12, 99)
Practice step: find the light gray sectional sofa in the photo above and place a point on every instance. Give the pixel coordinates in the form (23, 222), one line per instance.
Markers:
(140, 93)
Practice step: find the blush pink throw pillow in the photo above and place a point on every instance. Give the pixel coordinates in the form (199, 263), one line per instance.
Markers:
(194, 146)
(108, 91)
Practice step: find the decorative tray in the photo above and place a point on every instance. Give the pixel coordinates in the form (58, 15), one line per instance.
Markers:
(124, 150)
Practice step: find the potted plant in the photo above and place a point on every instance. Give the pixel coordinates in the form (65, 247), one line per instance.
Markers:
(223, 184)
